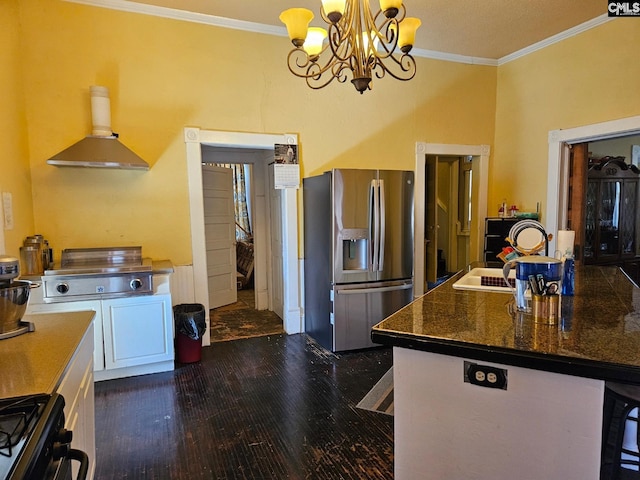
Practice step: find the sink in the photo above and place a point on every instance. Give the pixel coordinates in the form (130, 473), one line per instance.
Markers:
(491, 278)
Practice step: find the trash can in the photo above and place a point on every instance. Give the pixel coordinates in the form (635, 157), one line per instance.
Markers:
(190, 326)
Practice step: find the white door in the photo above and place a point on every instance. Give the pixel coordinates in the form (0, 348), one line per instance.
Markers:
(276, 260)
(220, 234)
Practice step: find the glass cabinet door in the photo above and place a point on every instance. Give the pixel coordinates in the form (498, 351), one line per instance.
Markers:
(611, 214)
(609, 241)
(590, 221)
(628, 218)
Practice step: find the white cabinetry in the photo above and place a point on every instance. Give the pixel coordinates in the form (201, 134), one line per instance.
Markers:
(132, 335)
(76, 387)
(137, 331)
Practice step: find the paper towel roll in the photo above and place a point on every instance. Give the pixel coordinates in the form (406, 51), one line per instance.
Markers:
(565, 242)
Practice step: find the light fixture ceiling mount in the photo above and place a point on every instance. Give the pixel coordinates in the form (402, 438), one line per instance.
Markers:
(358, 41)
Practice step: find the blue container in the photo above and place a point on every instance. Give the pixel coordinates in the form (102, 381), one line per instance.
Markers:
(568, 278)
(534, 274)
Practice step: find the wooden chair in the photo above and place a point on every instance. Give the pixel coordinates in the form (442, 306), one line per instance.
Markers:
(244, 263)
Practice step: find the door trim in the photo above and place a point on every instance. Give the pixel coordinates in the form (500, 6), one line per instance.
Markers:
(480, 173)
(194, 138)
(558, 164)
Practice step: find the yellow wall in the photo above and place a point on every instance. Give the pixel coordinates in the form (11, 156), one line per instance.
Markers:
(14, 161)
(166, 74)
(587, 79)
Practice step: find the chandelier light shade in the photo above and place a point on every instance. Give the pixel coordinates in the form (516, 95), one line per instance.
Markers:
(357, 43)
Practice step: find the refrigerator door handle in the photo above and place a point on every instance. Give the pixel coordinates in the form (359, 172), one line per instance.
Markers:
(382, 213)
(375, 214)
(360, 291)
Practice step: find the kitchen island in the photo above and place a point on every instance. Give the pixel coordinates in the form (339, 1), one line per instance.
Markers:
(55, 358)
(547, 422)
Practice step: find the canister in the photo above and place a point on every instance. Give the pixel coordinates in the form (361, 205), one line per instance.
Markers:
(546, 308)
(31, 260)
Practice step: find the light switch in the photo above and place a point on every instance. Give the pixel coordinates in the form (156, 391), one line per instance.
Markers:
(7, 206)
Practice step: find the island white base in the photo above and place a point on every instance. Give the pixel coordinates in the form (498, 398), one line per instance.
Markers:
(545, 425)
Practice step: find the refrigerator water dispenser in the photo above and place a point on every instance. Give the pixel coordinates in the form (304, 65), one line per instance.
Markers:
(355, 244)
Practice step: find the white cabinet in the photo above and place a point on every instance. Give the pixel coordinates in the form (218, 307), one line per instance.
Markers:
(137, 331)
(132, 335)
(76, 387)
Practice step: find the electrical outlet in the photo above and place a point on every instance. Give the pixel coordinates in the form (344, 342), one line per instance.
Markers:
(7, 206)
(485, 375)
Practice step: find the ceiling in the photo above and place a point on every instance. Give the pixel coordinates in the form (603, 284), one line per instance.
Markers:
(489, 29)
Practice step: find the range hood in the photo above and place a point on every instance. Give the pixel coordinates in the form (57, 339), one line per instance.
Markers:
(102, 149)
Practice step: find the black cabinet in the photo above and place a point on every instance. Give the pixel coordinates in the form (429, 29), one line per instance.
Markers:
(496, 229)
(611, 213)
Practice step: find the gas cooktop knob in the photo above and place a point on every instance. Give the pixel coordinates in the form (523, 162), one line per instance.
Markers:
(62, 288)
(135, 284)
(64, 436)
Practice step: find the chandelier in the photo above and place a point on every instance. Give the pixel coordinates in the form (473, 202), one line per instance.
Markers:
(357, 41)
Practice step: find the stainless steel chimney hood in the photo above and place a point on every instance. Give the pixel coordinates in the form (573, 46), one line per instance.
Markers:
(102, 149)
(99, 152)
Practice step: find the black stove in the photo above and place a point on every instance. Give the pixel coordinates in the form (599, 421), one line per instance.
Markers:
(34, 445)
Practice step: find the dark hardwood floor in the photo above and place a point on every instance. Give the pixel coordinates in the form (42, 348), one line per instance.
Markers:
(271, 407)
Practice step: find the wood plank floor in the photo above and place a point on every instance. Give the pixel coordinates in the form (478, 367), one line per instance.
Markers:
(271, 407)
(242, 320)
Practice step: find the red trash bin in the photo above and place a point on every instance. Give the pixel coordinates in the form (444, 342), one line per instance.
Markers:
(190, 324)
(187, 349)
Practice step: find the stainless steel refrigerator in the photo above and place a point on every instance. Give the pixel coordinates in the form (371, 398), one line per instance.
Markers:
(358, 237)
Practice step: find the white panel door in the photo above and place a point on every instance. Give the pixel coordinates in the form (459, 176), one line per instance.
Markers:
(220, 235)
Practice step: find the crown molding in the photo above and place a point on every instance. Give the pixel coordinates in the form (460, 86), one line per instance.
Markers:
(572, 32)
(452, 57)
(171, 13)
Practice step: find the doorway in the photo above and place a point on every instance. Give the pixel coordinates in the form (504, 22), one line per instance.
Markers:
(558, 173)
(426, 157)
(240, 305)
(448, 215)
(198, 140)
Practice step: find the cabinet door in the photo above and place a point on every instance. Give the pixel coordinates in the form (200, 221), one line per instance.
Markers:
(609, 220)
(137, 330)
(76, 387)
(628, 216)
(591, 221)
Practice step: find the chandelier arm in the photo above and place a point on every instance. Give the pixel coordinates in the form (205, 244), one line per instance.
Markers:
(340, 47)
(338, 74)
(388, 38)
(406, 70)
(302, 66)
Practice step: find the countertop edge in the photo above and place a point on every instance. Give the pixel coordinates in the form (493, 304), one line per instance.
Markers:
(533, 360)
(162, 266)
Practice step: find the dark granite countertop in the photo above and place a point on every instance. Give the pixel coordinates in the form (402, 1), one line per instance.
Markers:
(597, 336)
